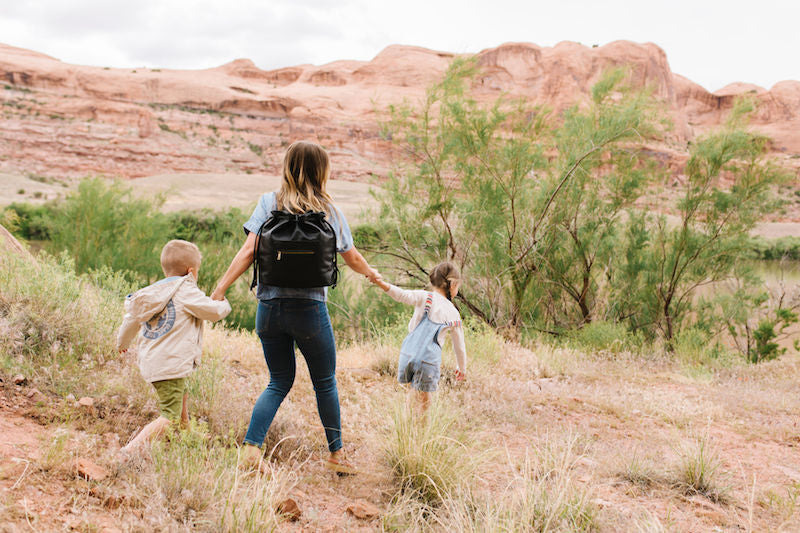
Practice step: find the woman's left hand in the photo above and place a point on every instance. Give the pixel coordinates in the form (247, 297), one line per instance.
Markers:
(218, 294)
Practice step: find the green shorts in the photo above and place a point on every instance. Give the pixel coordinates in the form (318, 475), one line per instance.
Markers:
(170, 397)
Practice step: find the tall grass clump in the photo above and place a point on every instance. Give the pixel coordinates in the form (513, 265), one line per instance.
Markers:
(542, 497)
(428, 454)
(699, 471)
(252, 502)
(218, 394)
(548, 497)
(201, 484)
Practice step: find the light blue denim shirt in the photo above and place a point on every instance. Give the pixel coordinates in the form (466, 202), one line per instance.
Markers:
(344, 241)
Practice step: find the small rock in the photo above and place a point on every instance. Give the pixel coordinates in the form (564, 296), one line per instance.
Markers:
(365, 374)
(111, 440)
(86, 401)
(70, 397)
(363, 510)
(290, 509)
(110, 499)
(90, 471)
(19, 379)
(36, 395)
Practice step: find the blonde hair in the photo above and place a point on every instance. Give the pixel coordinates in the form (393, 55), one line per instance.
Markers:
(443, 275)
(306, 168)
(178, 256)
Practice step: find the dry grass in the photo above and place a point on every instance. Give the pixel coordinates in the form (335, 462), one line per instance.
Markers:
(539, 438)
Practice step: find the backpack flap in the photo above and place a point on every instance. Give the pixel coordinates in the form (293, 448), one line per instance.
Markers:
(296, 250)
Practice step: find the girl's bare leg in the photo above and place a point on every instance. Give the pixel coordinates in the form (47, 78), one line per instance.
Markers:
(424, 400)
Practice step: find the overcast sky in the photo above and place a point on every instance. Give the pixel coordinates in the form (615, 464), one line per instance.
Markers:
(712, 42)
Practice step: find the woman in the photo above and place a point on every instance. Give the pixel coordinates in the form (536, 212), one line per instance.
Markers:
(286, 316)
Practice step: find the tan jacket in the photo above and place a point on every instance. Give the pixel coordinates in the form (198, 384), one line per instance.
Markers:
(166, 318)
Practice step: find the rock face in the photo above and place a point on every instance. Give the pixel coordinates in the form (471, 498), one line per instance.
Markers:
(68, 120)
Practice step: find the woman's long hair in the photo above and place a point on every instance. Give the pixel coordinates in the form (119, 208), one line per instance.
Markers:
(306, 168)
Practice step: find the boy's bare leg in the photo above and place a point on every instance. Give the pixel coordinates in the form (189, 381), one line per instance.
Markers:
(150, 432)
(185, 411)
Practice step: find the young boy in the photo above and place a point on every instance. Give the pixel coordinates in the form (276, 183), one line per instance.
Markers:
(166, 319)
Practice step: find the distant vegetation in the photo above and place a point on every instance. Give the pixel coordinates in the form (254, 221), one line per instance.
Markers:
(544, 214)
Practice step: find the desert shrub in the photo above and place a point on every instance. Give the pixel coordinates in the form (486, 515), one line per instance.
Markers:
(28, 221)
(56, 324)
(542, 212)
(604, 336)
(775, 249)
(103, 224)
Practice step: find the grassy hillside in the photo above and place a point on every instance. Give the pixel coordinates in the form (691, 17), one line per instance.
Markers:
(539, 437)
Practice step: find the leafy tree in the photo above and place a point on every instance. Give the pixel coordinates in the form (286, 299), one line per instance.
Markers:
(527, 206)
(714, 218)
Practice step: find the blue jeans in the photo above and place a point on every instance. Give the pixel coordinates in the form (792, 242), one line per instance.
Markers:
(280, 324)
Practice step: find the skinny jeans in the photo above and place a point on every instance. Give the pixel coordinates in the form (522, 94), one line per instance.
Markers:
(282, 323)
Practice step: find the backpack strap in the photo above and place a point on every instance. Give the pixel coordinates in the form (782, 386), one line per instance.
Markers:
(335, 253)
(255, 256)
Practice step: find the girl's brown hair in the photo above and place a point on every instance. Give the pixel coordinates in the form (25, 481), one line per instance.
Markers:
(306, 168)
(443, 275)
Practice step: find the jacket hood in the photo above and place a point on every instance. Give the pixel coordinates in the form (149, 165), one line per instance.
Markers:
(146, 303)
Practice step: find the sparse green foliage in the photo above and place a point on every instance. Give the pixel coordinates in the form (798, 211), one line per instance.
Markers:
(103, 224)
(544, 213)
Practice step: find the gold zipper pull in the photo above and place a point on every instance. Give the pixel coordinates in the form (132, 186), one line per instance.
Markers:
(279, 255)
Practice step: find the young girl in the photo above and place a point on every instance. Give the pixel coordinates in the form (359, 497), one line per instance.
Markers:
(434, 314)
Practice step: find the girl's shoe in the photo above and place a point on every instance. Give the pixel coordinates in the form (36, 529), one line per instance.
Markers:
(340, 466)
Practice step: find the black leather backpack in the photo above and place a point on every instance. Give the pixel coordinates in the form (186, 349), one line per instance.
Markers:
(295, 250)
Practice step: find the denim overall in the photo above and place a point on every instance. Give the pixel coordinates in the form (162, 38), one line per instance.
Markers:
(421, 355)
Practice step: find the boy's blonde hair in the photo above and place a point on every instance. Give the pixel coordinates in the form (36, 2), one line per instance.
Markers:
(178, 256)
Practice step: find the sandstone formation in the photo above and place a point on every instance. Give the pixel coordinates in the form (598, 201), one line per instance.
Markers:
(67, 120)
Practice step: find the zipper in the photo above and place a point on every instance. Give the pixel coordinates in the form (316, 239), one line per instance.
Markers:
(294, 252)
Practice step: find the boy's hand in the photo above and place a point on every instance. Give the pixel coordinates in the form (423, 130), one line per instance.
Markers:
(460, 376)
(218, 295)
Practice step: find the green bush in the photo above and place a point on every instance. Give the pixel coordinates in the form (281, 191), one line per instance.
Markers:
(605, 336)
(775, 249)
(28, 221)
